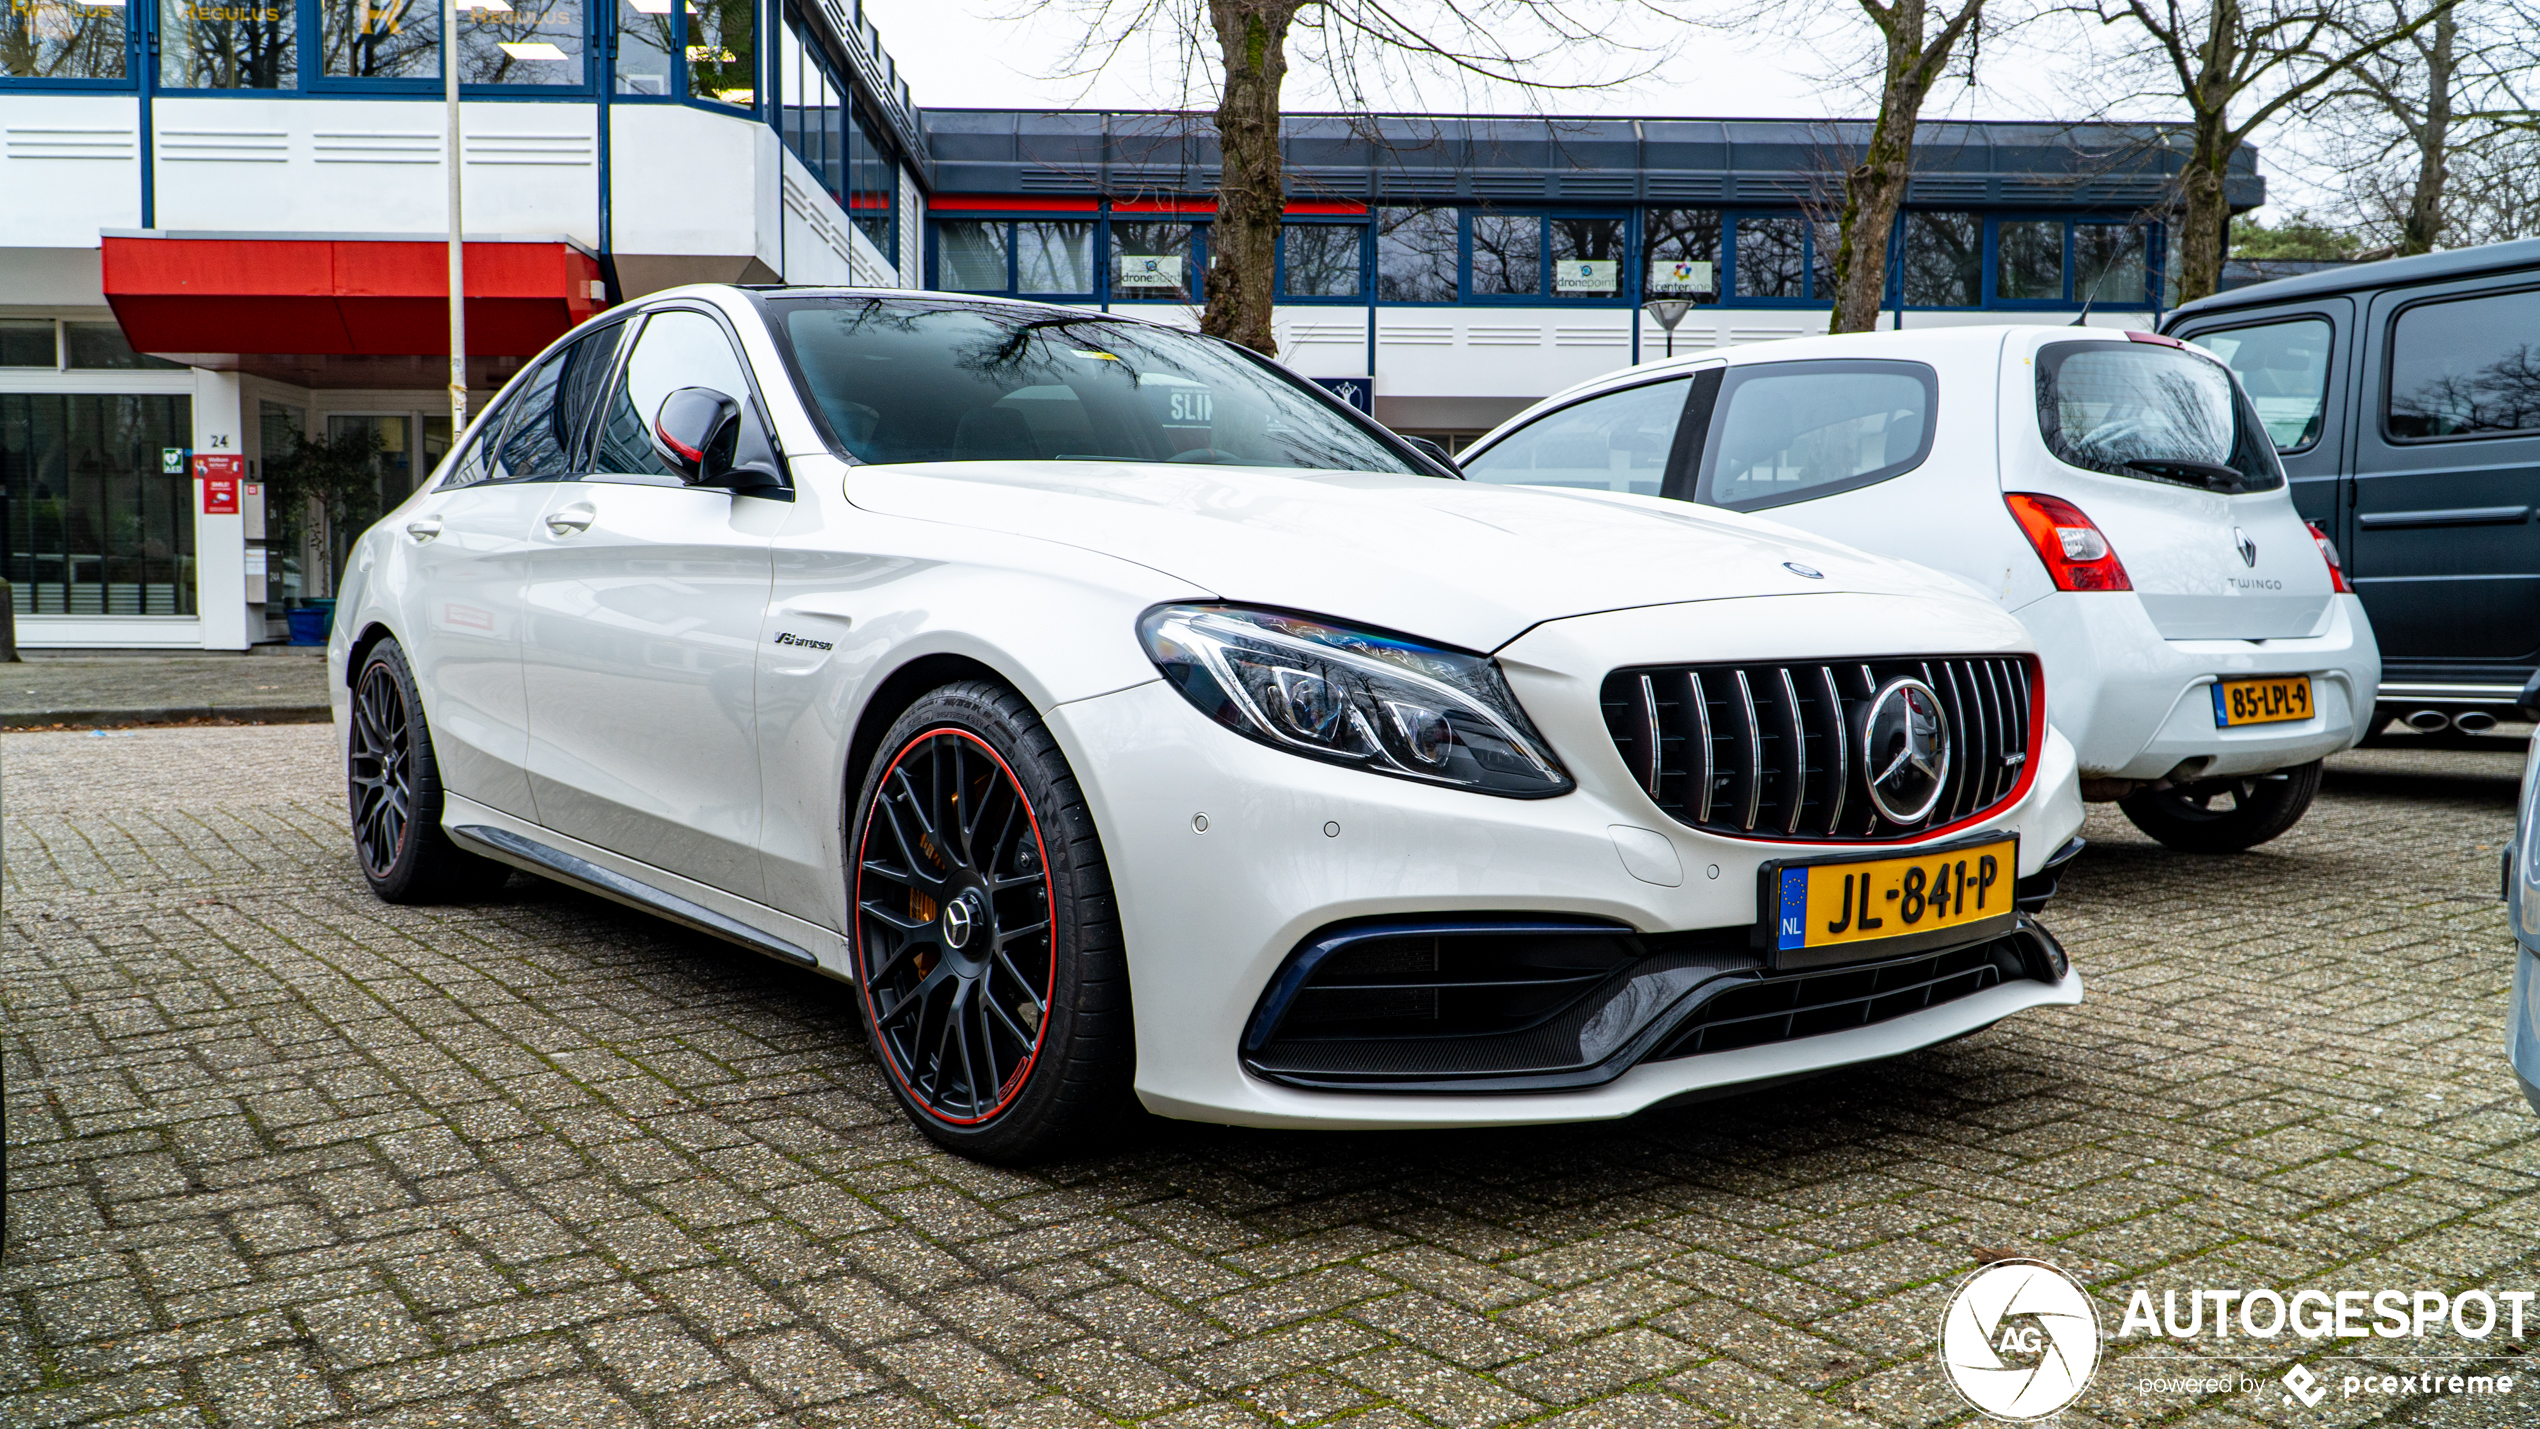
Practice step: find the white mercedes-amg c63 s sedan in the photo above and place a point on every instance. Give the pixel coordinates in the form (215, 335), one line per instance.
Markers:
(1119, 714)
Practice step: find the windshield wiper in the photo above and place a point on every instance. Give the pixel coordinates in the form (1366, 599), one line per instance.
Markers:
(2211, 475)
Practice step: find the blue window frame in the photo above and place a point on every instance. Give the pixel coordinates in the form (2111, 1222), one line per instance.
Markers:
(2055, 262)
(1154, 258)
(1778, 259)
(1323, 261)
(694, 51)
(1049, 256)
(513, 49)
(829, 128)
(63, 44)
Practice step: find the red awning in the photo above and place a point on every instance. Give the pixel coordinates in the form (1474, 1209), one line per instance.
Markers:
(323, 295)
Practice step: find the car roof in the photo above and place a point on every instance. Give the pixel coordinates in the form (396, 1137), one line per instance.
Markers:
(2423, 268)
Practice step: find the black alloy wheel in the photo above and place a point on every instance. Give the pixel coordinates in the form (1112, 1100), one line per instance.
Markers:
(2226, 815)
(393, 787)
(985, 950)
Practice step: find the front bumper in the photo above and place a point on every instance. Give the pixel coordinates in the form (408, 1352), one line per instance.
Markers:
(2136, 706)
(2522, 1032)
(1225, 855)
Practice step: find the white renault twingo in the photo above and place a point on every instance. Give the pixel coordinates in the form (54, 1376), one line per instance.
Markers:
(1115, 710)
(2113, 490)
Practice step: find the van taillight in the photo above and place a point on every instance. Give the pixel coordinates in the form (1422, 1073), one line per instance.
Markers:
(2077, 555)
(2328, 553)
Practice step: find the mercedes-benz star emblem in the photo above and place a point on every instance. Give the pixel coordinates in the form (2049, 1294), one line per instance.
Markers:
(1908, 741)
(2248, 548)
(959, 919)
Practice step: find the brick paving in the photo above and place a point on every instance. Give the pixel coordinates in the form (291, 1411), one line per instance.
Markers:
(274, 685)
(281, 1155)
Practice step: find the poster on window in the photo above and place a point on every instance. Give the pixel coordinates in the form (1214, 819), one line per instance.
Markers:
(1680, 277)
(1585, 275)
(218, 478)
(1150, 270)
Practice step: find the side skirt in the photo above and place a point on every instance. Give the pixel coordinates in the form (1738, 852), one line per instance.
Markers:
(555, 863)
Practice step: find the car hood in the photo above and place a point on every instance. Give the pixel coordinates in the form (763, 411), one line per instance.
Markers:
(1464, 563)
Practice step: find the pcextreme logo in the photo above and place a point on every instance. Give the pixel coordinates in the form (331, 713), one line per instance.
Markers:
(2019, 1340)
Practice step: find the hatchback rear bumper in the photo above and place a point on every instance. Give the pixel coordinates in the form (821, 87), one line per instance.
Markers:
(2137, 706)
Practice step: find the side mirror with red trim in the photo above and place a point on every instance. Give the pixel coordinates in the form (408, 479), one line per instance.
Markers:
(711, 439)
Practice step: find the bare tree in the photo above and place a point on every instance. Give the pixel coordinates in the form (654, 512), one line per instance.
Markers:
(1874, 189)
(2237, 64)
(1356, 45)
(2408, 128)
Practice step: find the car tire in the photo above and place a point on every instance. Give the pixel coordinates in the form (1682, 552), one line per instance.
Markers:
(393, 792)
(2226, 815)
(989, 964)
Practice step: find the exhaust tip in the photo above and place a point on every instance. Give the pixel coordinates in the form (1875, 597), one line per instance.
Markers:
(2474, 722)
(2429, 721)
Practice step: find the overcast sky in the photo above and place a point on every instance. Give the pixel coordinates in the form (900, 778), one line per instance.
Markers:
(960, 53)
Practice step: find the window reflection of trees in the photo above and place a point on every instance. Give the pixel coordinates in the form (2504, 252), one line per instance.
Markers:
(49, 39)
(485, 31)
(2468, 367)
(1772, 256)
(912, 380)
(1415, 255)
(1944, 260)
(381, 39)
(2502, 396)
(1507, 255)
(233, 45)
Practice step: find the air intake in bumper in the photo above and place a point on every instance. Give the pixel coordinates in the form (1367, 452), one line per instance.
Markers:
(1517, 1005)
(1780, 751)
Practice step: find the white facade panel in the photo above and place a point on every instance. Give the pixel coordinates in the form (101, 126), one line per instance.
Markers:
(686, 181)
(373, 166)
(69, 165)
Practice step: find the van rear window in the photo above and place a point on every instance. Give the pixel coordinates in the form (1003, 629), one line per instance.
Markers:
(2151, 412)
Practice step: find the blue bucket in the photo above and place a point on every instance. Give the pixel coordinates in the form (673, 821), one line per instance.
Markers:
(310, 623)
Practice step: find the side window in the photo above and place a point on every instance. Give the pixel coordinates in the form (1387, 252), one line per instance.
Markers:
(2465, 368)
(469, 467)
(542, 430)
(675, 349)
(1792, 431)
(2284, 368)
(1616, 442)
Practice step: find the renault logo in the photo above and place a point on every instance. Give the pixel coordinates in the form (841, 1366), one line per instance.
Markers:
(1907, 737)
(2248, 548)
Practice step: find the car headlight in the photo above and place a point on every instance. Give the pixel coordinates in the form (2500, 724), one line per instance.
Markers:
(1357, 697)
(2523, 854)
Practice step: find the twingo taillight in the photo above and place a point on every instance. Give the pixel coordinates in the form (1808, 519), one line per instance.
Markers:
(2077, 555)
(2328, 553)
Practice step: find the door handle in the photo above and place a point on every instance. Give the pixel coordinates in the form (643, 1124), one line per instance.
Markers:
(423, 530)
(572, 520)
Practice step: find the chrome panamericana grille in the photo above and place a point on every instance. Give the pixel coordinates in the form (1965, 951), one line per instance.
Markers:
(1777, 751)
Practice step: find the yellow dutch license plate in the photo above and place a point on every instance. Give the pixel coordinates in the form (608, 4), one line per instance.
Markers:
(1938, 896)
(2267, 701)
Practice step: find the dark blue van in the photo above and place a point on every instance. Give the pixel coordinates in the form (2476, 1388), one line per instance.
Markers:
(2404, 398)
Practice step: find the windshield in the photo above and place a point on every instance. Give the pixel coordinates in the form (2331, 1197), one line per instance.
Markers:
(917, 379)
(2151, 412)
